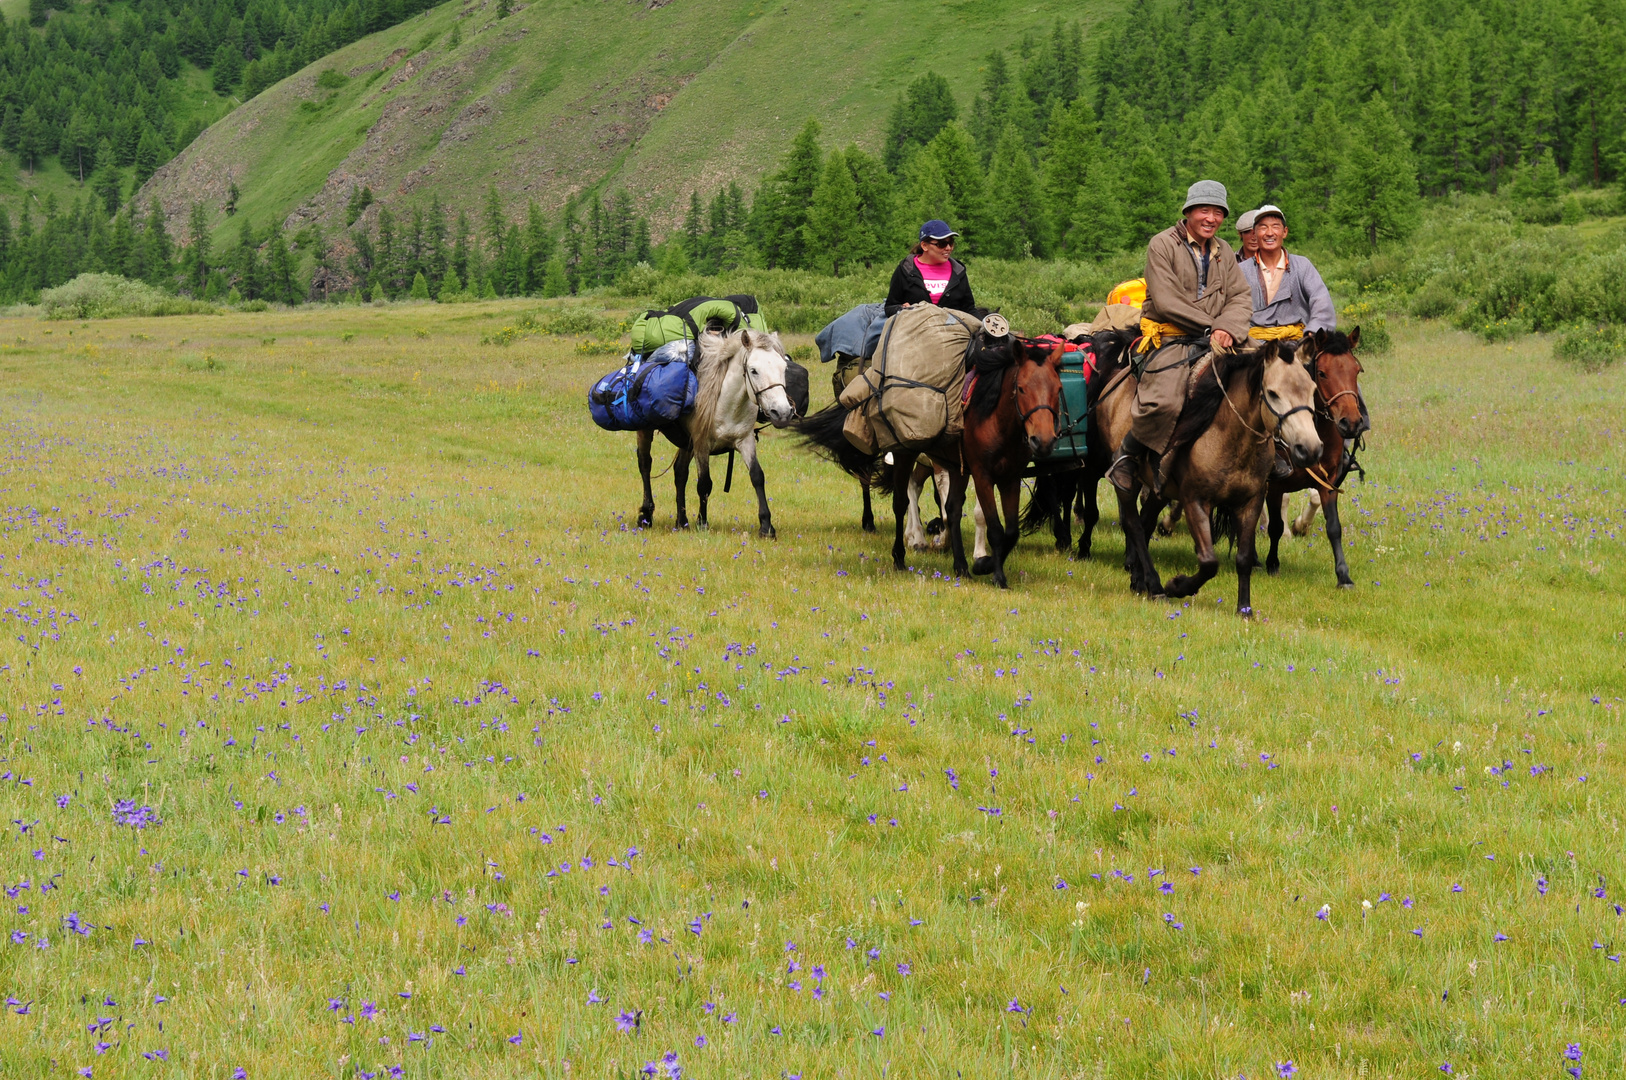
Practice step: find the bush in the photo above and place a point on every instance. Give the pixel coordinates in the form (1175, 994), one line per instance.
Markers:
(639, 280)
(1591, 348)
(1436, 300)
(109, 296)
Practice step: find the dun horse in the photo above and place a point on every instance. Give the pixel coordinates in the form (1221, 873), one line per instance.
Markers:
(742, 377)
(1240, 405)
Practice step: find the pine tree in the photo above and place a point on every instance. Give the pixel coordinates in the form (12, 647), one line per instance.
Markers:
(1096, 228)
(1376, 200)
(920, 113)
(968, 195)
(784, 244)
(876, 207)
(554, 280)
(1018, 216)
(831, 234)
(435, 260)
(197, 254)
(460, 247)
(924, 196)
(1149, 206)
(150, 153)
(420, 286)
(451, 287)
(279, 268)
(1229, 161)
(1072, 148)
(377, 296)
(106, 181)
(156, 247)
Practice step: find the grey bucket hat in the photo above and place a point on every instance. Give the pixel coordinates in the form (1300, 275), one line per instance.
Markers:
(1206, 193)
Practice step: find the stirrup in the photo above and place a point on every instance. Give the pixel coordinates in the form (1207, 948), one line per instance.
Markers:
(1124, 464)
(1281, 468)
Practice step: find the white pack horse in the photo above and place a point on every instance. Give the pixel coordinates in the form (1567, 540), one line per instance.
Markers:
(742, 377)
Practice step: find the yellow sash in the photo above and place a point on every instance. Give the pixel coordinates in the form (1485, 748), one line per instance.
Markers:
(1290, 332)
(1152, 334)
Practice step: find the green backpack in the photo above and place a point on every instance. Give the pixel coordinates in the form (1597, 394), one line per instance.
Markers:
(684, 321)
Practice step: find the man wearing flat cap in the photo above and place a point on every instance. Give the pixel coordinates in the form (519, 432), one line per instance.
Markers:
(1244, 232)
(1289, 298)
(1196, 300)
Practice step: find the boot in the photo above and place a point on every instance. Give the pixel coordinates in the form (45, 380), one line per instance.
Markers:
(1280, 467)
(1123, 473)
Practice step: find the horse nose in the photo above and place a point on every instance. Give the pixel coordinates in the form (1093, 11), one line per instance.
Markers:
(1039, 447)
(1305, 453)
(1348, 428)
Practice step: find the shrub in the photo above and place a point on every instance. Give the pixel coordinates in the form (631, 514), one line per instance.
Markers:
(1436, 300)
(1591, 348)
(639, 280)
(109, 296)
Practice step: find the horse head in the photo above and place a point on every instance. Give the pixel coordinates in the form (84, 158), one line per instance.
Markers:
(1288, 405)
(1337, 379)
(1038, 392)
(765, 366)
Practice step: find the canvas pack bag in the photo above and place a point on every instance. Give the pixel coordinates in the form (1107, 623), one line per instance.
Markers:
(911, 392)
(684, 321)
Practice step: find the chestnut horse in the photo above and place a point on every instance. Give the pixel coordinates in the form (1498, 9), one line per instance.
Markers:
(1010, 414)
(1241, 402)
(1340, 420)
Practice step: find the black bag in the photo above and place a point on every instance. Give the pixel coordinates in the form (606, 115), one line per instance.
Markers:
(796, 387)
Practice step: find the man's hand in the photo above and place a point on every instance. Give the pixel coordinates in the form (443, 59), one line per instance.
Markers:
(1222, 339)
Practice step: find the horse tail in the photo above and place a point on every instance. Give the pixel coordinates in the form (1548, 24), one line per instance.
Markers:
(823, 433)
(1042, 504)
(1222, 522)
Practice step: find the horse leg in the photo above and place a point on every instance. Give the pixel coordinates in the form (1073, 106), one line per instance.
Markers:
(702, 489)
(1273, 507)
(941, 483)
(869, 510)
(993, 561)
(1167, 523)
(901, 481)
(914, 533)
(1302, 523)
(1090, 514)
(1010, 495)
(955, 511)
(1335, 537)
(1202, 538)
(680, 481)
(1137, 556)
(646, 458)
(753, 468)
(1247, 528)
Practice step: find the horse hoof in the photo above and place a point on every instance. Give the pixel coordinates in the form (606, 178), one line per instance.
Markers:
(868, 526)
(767, 532)
(1245, 612)
(1346, 584)
(984, 565)
(1273, 568)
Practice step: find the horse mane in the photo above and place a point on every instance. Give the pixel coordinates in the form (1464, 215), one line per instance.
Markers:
(992, 362)
(717, 353)
(1111, 349)
(1204, 403)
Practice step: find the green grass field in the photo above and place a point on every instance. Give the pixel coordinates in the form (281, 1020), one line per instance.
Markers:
(352, 730)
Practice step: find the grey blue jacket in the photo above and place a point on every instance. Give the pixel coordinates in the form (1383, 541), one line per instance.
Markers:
(1302, 297)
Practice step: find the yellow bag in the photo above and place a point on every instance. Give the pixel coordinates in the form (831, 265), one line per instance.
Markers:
(1132, 291)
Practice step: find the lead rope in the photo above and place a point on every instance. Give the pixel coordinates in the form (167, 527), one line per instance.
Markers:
(1260, 436)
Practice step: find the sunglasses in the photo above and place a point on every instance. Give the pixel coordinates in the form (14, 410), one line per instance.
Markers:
(946, 242)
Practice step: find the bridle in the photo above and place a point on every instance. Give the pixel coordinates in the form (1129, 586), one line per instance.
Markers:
(758, 391)
(1324, 404)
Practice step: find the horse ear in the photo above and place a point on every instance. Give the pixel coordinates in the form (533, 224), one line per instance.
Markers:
(1354, 338)
(1320, 339)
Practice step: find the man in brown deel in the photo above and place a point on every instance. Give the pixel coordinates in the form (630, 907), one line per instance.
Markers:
(1196, 300)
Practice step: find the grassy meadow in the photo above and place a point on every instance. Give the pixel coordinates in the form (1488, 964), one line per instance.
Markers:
(351, 729)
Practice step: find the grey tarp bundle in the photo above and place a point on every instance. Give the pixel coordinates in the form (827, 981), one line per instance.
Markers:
(911, 393)
(854, 334)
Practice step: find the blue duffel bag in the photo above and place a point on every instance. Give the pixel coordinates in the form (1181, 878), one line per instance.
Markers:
(649, 391)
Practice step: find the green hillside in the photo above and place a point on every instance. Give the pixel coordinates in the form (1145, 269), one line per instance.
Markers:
(566, 95)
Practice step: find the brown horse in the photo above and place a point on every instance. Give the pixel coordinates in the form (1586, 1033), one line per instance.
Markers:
(1010, 419)
(1340, 420)
(1012, 409)
(1241, 403)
